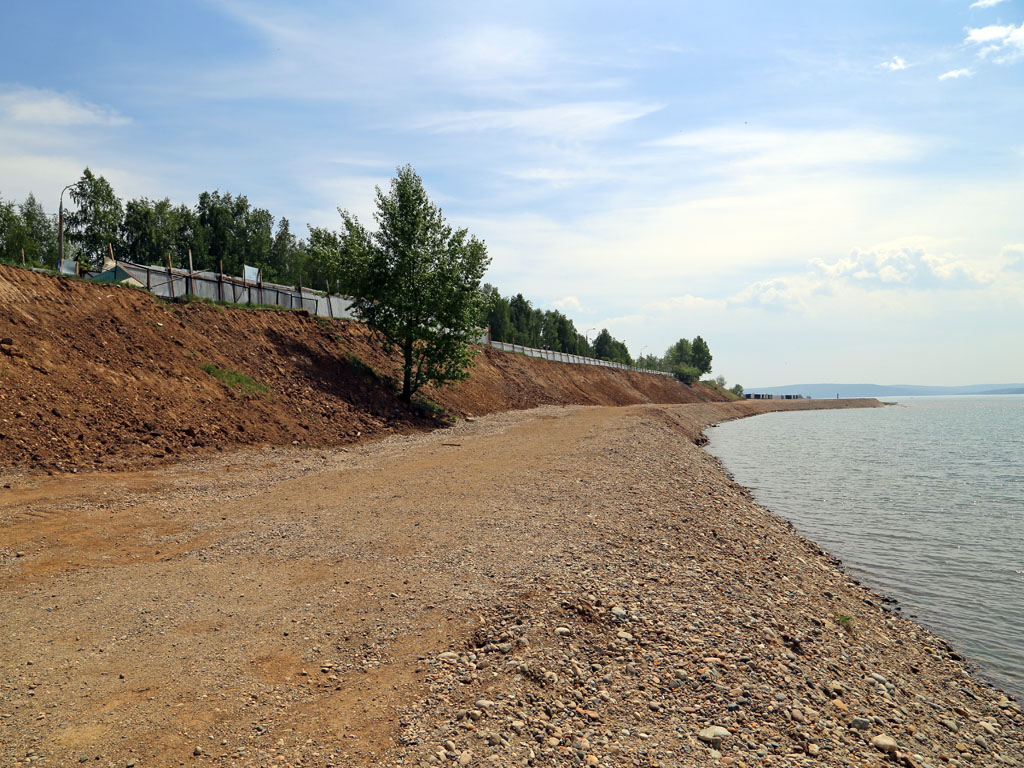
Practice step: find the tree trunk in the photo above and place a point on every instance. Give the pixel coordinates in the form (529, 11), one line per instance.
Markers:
(407, 371)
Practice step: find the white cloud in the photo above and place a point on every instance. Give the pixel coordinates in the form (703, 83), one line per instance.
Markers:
(1005, 39)
(569, 304)
(986, 3)
(564, 121)
(895, 64)
(955, 74)
(799, 150)
(35, 107)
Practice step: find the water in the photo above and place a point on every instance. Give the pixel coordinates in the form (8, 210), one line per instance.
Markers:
(923, 501)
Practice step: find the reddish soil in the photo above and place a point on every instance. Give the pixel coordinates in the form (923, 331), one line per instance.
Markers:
(97, 376)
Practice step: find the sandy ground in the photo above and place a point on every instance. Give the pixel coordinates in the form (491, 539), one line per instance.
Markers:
(561, 586)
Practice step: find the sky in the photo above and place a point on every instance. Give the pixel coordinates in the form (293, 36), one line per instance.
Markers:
(823, 191)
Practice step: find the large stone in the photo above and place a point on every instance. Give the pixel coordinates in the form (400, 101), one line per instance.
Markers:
(885, 744)
(713, 734)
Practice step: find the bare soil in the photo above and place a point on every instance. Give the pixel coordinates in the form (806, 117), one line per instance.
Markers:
(560, 586)
(106, 377)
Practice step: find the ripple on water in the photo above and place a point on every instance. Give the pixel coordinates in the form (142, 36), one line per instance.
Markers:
(925, 502)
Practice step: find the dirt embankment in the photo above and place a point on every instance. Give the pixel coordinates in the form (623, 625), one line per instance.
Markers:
(100, 376)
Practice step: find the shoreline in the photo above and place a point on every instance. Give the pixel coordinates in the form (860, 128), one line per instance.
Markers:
(562, 586)
(986, 671)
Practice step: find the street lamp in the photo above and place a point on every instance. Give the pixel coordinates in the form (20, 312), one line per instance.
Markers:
(587, 335)
(60, 225)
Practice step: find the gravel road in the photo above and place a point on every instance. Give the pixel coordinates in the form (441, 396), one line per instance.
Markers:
(563, 586)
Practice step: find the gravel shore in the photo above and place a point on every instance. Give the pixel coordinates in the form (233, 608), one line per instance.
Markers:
(562, 586)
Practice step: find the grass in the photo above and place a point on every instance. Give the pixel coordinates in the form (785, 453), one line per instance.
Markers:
(235, 380)
(844, 621)
(712, 384)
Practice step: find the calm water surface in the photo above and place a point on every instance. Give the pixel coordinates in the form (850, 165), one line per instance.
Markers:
(923, 500)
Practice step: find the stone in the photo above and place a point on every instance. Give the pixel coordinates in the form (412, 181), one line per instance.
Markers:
(713, 734)
(951, 725)
(466, 758)
(562, 631)
(885, 744)
(860, 723)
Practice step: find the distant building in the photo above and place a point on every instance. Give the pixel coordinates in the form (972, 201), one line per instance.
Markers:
(764, 396)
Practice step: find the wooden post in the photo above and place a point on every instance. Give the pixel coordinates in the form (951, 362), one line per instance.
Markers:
(23, 257)
(220, 281)
(111, 249)
(191, 282)
(259, 282)
(149, 282)
(170, 274)
(301, 306)
(330, 309)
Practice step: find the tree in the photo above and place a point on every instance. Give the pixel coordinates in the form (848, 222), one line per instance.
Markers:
(701, 355)
(737, 389)
(96, 222)
(607, 347)
(415, 282)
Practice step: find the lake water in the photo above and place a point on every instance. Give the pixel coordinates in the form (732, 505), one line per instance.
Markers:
(923, 501)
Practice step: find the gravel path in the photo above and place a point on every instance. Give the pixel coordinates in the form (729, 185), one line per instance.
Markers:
(563, 586)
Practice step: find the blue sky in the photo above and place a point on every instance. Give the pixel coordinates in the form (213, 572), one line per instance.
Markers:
(824, 191)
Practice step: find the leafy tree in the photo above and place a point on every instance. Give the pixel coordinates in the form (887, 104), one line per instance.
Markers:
(152, 230)
(701, 355)
(416, 282)
(680, 353)
(11, 233)
(40, 231)
(737, 389)
(607, 347)
(96, 222)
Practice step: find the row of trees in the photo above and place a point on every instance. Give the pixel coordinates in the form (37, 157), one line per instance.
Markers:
(433, 290)
(219, 228)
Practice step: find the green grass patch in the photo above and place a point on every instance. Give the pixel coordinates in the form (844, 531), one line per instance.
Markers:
(235, 380)
(844, 621)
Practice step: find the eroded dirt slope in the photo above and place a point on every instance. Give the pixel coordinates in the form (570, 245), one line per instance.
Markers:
(103, 376)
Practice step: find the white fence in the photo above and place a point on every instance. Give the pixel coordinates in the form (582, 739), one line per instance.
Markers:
(565, 357)
(176, 283)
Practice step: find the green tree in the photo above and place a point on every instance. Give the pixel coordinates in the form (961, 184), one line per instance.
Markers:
(701, 355)
(96, 222)
(415, 282)
(607, 347)
(40, 231)
(737, 389)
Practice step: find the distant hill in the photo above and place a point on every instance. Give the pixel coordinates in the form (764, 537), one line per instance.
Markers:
(819, 391)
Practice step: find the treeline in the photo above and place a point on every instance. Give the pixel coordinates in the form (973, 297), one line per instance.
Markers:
(225, 231)
(220, 229)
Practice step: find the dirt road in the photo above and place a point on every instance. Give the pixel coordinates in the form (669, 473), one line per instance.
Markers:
(559, 586)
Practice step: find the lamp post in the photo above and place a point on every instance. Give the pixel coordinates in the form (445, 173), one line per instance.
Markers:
(60, 225)
(587, 336)
(642, 353)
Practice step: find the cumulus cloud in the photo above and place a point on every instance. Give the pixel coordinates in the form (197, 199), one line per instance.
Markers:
(955, 74)
(1006, 40)
(569, 304)
(986, 3)
(894, 266)
(36, 107)
(895, 64)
